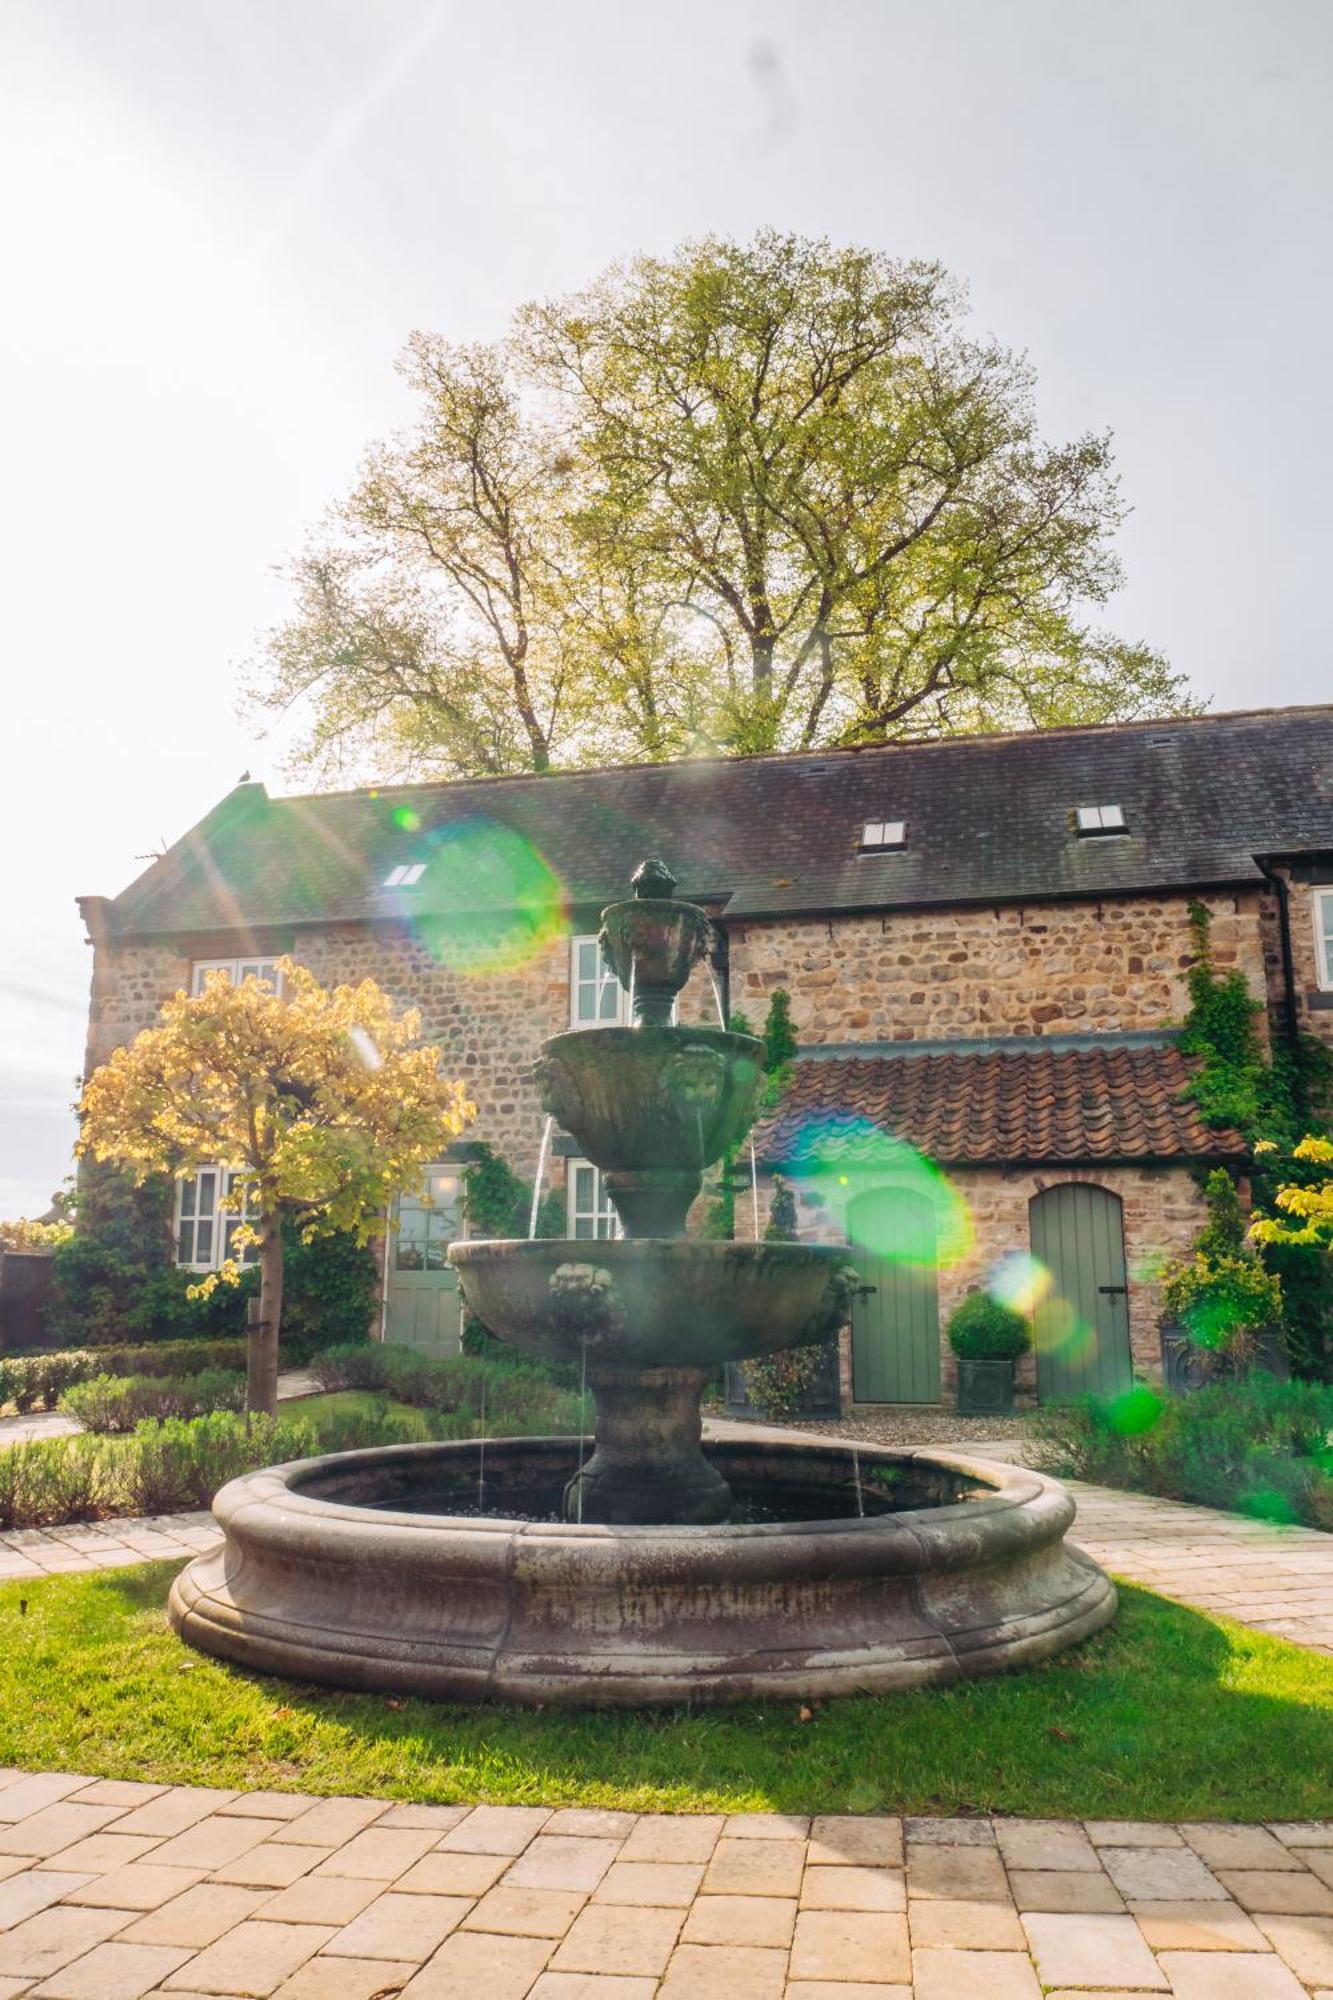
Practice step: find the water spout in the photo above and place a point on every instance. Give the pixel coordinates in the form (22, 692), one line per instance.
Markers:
(754, 1190)
(481, 1453)
(716, 985)
(540, 1181)
(856, 1475)
(583, 1430)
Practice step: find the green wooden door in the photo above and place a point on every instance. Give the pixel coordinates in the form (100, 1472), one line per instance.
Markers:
(423, 1305)
(895, 1325)
(1081, 1327)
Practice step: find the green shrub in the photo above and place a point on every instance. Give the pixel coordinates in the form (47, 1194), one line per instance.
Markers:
(176, 1465)
(116, 1403)
(329, 1295)
(982, 1329)
(1258, 1446)
(27, 1380)
(48, 1481)
(478, 1393)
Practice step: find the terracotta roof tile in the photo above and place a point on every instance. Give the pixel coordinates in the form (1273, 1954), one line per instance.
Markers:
(995, 1106)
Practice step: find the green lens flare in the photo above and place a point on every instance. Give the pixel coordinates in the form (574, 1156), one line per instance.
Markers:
(893, 1202)
(487, 902)
(405, 819)
(1021, 1281)
(1136, 1411)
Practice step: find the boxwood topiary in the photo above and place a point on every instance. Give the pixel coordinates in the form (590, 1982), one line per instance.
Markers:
(981, 1329)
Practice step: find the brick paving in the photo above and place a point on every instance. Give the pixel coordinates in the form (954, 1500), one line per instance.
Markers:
(113, 1891)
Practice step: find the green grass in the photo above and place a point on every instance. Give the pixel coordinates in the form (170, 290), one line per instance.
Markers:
(1167, 1715)
(319, 1410)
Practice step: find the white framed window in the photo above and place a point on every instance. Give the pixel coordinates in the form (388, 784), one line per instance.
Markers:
(589, 1209)
(205, 1229)
(596, 997)
(1100, 819)
(236, 970)
(878, 834)
(1323, 937)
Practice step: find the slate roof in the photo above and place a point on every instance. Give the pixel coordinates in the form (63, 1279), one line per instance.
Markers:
(1062, 1105)
(989, 820)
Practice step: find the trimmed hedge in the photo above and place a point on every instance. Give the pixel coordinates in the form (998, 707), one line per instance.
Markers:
(465, 1387)
(983, 1329)
(116, 1403)
(29, 1380)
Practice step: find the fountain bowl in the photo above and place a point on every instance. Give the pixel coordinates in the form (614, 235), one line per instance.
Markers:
(351, 1571)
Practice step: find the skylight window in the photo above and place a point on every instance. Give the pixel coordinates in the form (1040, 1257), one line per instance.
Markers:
(1100, 819)
(877, 834)
(405, 876)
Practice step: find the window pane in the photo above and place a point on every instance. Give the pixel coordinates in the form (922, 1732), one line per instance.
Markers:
(187, 1197)
(584, 1226)
(203, 1243)
(185, 1243)
(208, 1187)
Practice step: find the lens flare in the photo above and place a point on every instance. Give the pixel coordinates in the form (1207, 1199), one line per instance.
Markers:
(488, 902)
(892, 1201)
(405, 819)
(1136, 1411)
(1019, 1280)
(1058, 1327)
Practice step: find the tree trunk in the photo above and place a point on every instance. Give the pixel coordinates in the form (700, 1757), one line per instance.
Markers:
(261, 1361)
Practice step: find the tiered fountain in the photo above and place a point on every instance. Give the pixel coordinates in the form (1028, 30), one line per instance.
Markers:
(641, 1566)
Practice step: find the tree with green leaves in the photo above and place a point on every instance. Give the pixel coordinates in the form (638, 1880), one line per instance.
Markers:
(751, 496)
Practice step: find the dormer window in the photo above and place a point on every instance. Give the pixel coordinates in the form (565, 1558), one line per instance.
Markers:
(1099, 819)
(878, 835)
(405, 877)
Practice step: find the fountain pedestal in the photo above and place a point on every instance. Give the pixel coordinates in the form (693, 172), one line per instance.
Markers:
(648, 1464)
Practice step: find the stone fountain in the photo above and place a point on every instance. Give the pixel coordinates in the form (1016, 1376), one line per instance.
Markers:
(640, 1566)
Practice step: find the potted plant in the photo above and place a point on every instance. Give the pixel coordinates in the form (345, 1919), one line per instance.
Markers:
(987, 1338)
(1222, 1315)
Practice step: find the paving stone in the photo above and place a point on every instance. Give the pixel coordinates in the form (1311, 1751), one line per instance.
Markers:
(22, 1896)
(741, 1972)
(767, 1921)
(11, 1988)
(27, 1795)
(1239, 1975)
(114, 1972)
(591, 1823)
(950, 1832)
(215, 1841)
(403, 1927)
(951, 1975)
(140, 1885)
(54, 1828)
(122, 1792)
(608, 1937)
(1296, 1833)
(673, 1837)
(173, 1811)
(592, 1986)
(451, 1874)
(838, 1838)
(325, 1978)
(43, 1944)
(1045, 1843)
(766, 1826)
(853, 1887)
(198, 1917)
(1050, 1889)
(524, 1912)
(332, 1821)
(1130, 1833)
(555, 1861)
(269, 1805)
(1238, 1847)
(837, 1989)
(479, 1965)
(1091, 1951)
(16, 1864)
(274, 1864)
(496, 1830)
(971, 1874)
(101, 1851)
(1279, 1893)
(850, 1944)
(1196, 1927)
(755, 1868)
(671, 1885)
(315, 1899)
(376, 1856)
(1156, 1875)
(251, 1961)
(942, 1925)
(442, 1818)
(1306, 1943)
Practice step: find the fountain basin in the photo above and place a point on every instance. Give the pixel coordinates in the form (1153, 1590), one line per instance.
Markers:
(338, 1571)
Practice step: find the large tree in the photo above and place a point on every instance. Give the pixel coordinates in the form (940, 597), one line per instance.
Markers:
(749, 497)
(321, 1102)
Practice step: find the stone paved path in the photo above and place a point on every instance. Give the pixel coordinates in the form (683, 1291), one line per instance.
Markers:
(113, 1891)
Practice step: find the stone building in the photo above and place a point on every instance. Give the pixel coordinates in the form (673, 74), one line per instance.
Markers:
(986, 941)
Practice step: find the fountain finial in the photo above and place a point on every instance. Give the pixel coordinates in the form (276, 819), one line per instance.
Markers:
(652, 941)
(653, 880)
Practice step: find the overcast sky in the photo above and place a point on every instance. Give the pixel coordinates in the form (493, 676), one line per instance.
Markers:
(220, 221)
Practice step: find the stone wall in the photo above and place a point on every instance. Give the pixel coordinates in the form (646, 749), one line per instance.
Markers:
(1038, 968)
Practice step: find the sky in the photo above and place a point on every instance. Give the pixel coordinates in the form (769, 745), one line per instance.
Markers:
(219, 223)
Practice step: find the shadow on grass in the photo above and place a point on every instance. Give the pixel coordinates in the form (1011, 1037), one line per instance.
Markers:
(1165, 1715)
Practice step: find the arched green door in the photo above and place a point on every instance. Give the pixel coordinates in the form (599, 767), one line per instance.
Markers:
(1081, 1327)
(895, 1325)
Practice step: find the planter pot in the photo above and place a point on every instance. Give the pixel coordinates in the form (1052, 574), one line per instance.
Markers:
(1186, 1366)
(985, 1388)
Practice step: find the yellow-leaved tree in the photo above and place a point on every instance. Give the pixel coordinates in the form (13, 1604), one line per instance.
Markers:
(1307, 1206)
(322, 1103)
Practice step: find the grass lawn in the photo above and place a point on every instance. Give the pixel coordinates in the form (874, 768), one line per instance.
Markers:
(1168, 1715)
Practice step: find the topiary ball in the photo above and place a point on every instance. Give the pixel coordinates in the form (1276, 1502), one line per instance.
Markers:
(981, 1329)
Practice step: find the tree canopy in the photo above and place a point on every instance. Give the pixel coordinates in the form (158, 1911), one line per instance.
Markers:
(321, 1102)
(756, 496)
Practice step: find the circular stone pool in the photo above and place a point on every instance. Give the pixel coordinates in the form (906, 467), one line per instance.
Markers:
(395, 1570)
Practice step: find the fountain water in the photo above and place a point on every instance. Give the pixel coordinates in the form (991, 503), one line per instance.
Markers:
(651, 1569)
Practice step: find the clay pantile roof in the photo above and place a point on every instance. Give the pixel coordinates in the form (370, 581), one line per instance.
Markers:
(989, 819)
(990, 1106)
